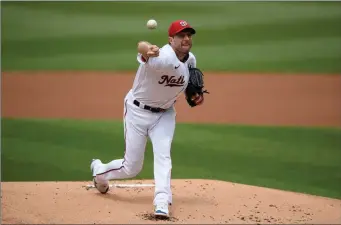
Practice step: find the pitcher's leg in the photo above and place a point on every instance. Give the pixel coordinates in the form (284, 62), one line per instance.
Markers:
(132, 163)
(161, 137)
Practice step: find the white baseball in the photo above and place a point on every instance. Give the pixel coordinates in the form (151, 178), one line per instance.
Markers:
(151, 24)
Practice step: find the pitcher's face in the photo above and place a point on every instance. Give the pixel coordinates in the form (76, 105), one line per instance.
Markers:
(182, 42)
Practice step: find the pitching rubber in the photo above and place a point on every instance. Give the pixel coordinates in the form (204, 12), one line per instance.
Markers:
(90, 186)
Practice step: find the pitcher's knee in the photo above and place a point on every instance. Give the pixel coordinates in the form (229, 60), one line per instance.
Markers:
(133, 171)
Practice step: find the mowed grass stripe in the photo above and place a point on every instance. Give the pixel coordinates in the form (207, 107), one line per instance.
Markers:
(314, 54)
(307, 65)
(237, 36)
(39, 22)
(297, 159)
(249, 9)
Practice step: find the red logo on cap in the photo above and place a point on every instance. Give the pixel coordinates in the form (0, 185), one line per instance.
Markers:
(183, 23)
(177, 26)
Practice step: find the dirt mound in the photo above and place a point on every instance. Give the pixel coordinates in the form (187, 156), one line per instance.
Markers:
(194, 201)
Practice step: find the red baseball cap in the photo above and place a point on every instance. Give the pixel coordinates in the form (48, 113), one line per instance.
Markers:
(178, 26)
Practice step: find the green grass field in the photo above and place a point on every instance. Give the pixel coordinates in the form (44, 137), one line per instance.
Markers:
(232, 36)
(297, 159)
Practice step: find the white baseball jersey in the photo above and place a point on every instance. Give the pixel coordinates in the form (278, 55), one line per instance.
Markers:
(160, 80)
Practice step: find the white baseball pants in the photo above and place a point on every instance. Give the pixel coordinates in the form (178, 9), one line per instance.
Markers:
(139, 124)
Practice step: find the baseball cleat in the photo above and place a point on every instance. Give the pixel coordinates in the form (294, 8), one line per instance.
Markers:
(161, 211)
(102, 186)
(92, 166)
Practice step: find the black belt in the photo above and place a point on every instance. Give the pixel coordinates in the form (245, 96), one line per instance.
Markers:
(137, 103)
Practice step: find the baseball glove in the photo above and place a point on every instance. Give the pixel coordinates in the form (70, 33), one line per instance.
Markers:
(194, 91)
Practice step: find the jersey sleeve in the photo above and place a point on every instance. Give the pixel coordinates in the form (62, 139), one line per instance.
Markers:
(140, 58)
(162, 62)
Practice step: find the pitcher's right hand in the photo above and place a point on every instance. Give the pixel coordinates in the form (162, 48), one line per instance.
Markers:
(153, 51)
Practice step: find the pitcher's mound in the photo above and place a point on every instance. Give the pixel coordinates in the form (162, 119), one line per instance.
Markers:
(194, 201)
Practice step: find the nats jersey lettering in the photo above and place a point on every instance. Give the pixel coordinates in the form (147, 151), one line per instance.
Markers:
(172, 81)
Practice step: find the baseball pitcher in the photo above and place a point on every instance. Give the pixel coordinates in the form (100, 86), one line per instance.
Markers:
(163, 74)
